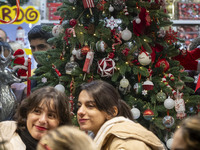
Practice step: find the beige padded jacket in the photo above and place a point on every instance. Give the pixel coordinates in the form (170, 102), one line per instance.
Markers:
(9, 135)
(120, 133)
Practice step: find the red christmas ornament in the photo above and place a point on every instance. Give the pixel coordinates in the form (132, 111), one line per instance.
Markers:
(72, 22)
(85, 49)
(111, 55)
(148, 85)
(163, 63)
(125, 51)
(148, 114)
(101, 4)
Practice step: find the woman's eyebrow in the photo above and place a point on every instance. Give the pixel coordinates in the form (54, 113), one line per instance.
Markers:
(87, 101)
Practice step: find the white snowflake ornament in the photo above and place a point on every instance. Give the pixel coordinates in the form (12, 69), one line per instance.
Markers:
(112, 23)
(144, 92)
(44, 80)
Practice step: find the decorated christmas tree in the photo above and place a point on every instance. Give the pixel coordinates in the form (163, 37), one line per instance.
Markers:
(128, 43)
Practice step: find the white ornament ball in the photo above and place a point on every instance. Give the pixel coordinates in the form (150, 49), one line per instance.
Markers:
(101, 46)
(169, 103)
(168, 121)
(74, 51)
(135, 112)
(78, 55)
(124, 83)
(138, 20)
(71, 1)
(57, 30)
(169, 143)
(111, 9)
(60, 88)
(119, 21)
(144, 58)
(126, 34)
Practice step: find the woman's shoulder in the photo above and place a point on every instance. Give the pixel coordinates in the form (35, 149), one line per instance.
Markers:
(9, 135)
(7, 128)
(116, 143)
(136, 134)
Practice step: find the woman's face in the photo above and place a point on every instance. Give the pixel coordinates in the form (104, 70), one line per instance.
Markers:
(88, 115)
(178, 141)
(40, 120)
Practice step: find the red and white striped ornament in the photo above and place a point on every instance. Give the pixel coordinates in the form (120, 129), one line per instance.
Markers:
(164, 80)
(148, 85)
(118, 39)
(71, 97)
(88, 3)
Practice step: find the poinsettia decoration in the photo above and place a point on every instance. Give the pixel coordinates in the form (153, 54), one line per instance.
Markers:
(171, 36)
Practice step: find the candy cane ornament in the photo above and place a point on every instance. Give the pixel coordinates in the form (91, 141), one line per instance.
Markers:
(119, 41)
(56, 70)
(164, 80)
(71, 30)
(71, 97)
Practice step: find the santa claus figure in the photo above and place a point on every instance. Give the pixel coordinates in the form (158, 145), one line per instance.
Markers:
(189, 59)
(20, 63)
(20, 35)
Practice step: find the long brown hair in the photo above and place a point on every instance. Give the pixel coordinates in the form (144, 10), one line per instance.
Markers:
(45, 95)
(106, 97)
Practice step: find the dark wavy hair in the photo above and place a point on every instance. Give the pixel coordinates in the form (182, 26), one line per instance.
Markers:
(106, 97)
(44, 95)
(38, 32)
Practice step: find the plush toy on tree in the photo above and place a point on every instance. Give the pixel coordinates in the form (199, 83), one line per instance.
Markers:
(189, 59)
(20, 63)
(141, 22)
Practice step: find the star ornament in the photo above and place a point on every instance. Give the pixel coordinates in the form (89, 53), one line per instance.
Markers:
(112, 23)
